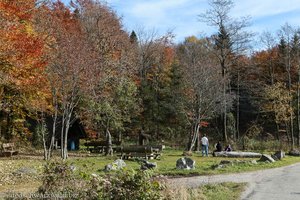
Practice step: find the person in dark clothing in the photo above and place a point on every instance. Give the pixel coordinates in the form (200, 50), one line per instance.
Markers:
(218, 147)
(228, 148)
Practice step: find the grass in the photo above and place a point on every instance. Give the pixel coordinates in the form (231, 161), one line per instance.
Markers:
(167, 164)
(89, 165)
(221, 191)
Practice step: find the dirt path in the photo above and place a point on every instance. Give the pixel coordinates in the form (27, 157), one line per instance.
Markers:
(262, 184)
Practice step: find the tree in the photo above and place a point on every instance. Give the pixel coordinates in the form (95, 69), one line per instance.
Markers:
(285, 52)
(205, 82)
(269, 42)
(296, 62)
(21, 66)
(109, 101)
(231, 41)
(68, 56)
(277, 100)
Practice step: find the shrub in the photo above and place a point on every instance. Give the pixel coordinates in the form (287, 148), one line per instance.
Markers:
(61, 181)
(136, 185)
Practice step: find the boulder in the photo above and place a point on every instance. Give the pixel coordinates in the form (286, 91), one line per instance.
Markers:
(253, 162)
(119, 163)
(72, 167)
(185, 163)
(109, 167)
(294, 152)
(278, 155)
(266, 157)
(116, 165)
(148, 165)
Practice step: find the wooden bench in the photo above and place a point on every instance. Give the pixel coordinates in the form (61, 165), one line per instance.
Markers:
(95, 146)
(8, 150)
(99, 146)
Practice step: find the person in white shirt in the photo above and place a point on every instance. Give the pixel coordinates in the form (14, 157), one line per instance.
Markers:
(204, 142)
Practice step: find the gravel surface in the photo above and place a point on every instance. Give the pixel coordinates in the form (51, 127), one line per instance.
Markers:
(277, 183)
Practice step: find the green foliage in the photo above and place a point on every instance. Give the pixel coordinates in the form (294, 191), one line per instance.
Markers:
(256, 145)
(137, 185)
(113, 110)
(231, 125)
(37, 136)
(59, 179)
(164, 103)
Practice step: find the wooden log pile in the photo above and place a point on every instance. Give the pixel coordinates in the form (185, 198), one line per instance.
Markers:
(237, 154)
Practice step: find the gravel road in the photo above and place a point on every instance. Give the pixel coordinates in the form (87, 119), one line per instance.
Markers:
(271, 184)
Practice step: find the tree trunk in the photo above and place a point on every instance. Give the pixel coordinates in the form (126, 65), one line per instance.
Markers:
(298, 107)
(53, 127)
(198, 142)
(287, 132)
(291, 114)
(62, 136)
(225, 115)
(194, 137)
(224, 102)
(67, 127)
(237, 135)
(277, 135)
(235, 154)
(109, 150)
(42, 125)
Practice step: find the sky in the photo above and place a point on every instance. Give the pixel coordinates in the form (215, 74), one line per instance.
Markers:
(181, 16)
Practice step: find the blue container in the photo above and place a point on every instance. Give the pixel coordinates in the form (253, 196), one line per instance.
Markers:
(72, 145)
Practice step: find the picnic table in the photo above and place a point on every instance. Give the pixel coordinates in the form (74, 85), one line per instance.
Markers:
(95, 146)
(140, 151)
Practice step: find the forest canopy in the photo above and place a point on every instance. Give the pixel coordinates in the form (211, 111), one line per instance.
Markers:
(65, 64)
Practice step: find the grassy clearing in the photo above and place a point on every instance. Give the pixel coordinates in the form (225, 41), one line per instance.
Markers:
(221, 191)
(167, 164)
(89, 165)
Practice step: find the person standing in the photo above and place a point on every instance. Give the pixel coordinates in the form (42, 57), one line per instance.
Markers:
(204, 141)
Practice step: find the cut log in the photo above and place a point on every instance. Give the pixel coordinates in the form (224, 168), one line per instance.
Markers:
(237, 154)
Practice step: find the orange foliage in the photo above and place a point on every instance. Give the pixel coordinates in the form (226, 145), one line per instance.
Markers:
(21, 49)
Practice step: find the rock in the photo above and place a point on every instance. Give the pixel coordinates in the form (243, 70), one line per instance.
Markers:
(94, 175)
(26, 171)
(72, 168)
(185, 163)
(148, 165)
(253, 162)
(274, 157)
(116, 165)
(278, 155)
(108, 168)
(120, 163)
(294, 152)
(266, 157)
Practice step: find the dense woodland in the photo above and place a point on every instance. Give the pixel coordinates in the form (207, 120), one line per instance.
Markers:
(77, 63)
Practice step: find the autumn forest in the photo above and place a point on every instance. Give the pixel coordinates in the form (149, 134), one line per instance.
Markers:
(62, 65)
